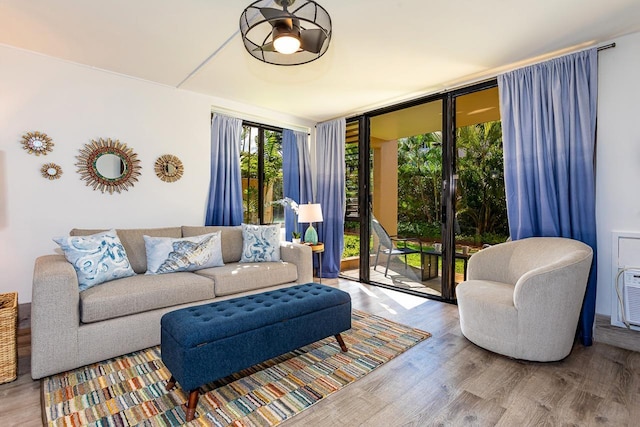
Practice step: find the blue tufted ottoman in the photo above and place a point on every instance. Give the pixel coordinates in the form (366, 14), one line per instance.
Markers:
(204, 343)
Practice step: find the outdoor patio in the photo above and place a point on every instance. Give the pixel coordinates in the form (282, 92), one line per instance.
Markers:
(401, 277)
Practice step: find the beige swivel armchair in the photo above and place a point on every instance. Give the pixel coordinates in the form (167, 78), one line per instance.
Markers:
(523, 298)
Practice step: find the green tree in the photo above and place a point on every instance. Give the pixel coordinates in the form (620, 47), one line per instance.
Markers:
(480, 198)
(419, 184)
(272, 169)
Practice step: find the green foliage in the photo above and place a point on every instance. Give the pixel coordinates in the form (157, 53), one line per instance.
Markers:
(421, 229)
(480, 197)
(351, 246)
(272, 170)
(419, 178)
(481, 203)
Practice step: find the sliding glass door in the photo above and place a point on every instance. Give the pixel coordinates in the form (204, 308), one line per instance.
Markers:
(406, 198)
(429, 191)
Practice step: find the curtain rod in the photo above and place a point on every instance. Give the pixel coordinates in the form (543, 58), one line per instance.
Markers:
(606, 46)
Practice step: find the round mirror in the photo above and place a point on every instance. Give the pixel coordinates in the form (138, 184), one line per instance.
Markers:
(51, 171)
(108, 165)
(169, 168)
(37, 143)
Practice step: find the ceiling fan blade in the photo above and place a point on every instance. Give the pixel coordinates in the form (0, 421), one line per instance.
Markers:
(312, 40)
(271, 14)
(268, 47)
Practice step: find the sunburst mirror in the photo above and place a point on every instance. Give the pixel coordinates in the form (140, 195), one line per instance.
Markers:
(169, 168)
(51, 171)
(108, 165)
(37, 143)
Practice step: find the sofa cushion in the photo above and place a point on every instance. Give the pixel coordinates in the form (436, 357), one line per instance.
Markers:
(141, 293)
(240, 277)
(260, 243)
(169, 255)
(231, 239)
(133, 242)
(97, 258)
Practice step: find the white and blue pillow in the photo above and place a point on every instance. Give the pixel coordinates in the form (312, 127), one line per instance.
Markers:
(260, 243)
(97, 258)
(169, 255)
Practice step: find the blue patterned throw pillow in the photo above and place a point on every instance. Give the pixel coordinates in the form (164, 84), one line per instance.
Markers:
(260, 243)
(97, 258)
(168, 255)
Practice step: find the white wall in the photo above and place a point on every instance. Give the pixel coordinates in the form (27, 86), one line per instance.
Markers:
(74, 104)
(618, 155)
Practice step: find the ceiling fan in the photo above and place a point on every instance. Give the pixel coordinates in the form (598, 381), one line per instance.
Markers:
(288, 35)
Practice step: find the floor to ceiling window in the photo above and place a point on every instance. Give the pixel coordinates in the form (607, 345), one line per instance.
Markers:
(433, 192)
(261, 168)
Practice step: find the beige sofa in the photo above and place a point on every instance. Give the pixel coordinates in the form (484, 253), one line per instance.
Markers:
(70, 328)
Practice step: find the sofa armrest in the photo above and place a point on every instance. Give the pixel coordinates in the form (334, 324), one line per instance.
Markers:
(55, 316)
(300, 255)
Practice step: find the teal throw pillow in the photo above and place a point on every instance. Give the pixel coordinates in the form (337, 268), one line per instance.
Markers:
(260, 243)
(168, 255)
(97, 258)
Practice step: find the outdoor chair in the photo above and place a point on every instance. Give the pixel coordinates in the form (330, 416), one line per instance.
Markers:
(391, 248)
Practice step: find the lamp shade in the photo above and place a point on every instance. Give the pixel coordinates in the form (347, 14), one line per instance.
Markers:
(310, 212)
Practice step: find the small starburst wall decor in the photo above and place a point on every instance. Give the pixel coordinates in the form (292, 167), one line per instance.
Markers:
(37, 143)
(51, 171)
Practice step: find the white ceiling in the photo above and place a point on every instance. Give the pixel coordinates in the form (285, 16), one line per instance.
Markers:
(381, 52)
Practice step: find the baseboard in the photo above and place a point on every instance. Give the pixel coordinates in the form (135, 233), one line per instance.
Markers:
(606, 333)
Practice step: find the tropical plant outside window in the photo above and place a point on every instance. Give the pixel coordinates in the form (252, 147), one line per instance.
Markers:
(351, 225)
(481, 211)
(261, 168)
(481, 204)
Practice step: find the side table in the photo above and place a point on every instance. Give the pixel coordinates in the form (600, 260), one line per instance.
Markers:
(318, 248)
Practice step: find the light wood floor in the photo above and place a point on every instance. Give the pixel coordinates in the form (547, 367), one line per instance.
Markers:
(443, 381)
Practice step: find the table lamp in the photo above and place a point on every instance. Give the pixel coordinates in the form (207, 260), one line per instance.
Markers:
(310, 212)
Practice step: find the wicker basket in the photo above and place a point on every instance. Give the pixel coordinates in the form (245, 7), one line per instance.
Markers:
(8, 335)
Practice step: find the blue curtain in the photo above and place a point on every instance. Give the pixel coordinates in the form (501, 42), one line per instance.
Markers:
(304, 161)
(224, 206)
(330, 146)
(549, 127)
(290, 179)
(296, 174)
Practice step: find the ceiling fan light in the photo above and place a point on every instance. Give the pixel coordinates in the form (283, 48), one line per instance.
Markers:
(286, 44)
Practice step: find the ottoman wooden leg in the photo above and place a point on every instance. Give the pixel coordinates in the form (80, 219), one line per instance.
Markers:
(171, 384)
(343, 346)
(192, 403)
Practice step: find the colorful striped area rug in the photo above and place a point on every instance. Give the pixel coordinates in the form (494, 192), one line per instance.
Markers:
(129, 390)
